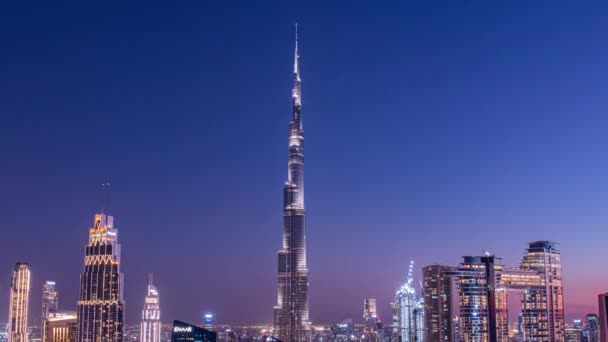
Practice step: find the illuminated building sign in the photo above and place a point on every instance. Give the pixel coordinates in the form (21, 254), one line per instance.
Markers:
(182, 329)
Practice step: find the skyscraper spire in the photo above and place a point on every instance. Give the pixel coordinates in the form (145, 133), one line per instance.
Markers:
(296, 62)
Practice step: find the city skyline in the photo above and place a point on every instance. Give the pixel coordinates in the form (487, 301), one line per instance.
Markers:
(498, 147)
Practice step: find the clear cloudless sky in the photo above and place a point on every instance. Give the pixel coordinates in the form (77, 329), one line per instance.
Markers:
(434, 129)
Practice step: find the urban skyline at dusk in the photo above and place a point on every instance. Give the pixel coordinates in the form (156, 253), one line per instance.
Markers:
(432, 133)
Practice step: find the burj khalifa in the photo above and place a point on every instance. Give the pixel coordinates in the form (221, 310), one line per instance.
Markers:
(291, 322)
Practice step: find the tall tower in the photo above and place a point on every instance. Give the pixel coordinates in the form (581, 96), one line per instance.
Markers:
(100, 304)
(20, 292)
(370, 317)
(150, 316)
(291, 322)
(543, 305)
(409, 311)
(437, 284)
(482, 299)
(50, 299)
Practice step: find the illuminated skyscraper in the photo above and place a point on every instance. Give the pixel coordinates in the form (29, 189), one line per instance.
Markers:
(437, 284)
(543, 305)
(370, 317)
(150, 316)
(208, 321)
(409, 311)
(20, 292)
(50, 298)
(291, 321)
(482, 300)
(591, 331)
(100, 304)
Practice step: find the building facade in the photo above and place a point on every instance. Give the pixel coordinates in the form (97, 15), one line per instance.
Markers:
(50, 298)
(482, 300)
(186, 332)
(100, 305)
(18, 303)
(409, 312)
(591, 331)
(484, 283)
(150, 316)
(419, 320)
(59, 326)
(437, 285)
(602, 300)
(370, 318)
(543, 303)
(291, 318)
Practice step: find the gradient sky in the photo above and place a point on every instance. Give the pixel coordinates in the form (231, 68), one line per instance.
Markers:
(434, 129)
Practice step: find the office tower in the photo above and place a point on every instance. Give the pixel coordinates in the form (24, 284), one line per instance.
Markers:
(370, 317)
(59, 326)
(208, 319)
(50, 298)
(602, 299)
(437, 285)
(574, 332)
(482, 299)
(291, 322)
(185, 332)
(409, 311)
(100, 304)
(150, 316)
(591, 331)
(543, 303)
(19, 298)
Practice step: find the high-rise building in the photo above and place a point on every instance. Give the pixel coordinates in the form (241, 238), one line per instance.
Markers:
(574, 332)
(591, 331)
(59, 326)
(291, 320)
(150, 315)
(18, 305)
(409, 311)
(482, 300)
(185, 332)
(543, 303)
(483, 286)
(437, 285)
(208, 319)
(100, 304)
(50, 298)
(602, 300)
(370, 317)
